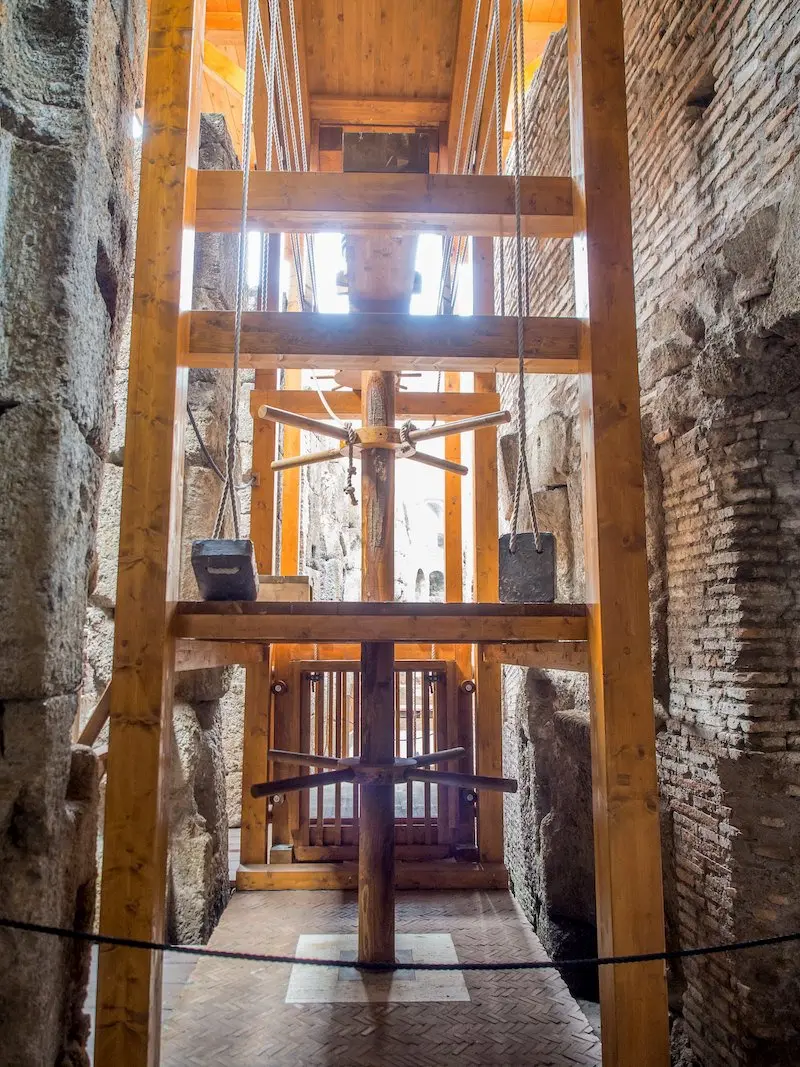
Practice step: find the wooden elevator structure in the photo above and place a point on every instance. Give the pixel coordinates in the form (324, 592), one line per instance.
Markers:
(375, 641)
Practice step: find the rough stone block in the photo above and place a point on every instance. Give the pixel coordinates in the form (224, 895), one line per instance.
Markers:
(49, 479)
(528, 576)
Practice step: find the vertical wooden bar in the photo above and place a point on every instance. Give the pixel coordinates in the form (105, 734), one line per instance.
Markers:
(411, 741)
(630, 909)
(290, 490)
(453, 541)
(258, 728)
(340, 731)
(305, 746)
(426, 747)
(376, 836)
(356, 746)
(488, 712)
(319, 750)
(135, 853)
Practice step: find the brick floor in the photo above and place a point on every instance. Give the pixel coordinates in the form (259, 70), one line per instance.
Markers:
(234, 1013)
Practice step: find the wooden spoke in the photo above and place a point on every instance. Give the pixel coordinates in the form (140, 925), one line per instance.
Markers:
(302, 781)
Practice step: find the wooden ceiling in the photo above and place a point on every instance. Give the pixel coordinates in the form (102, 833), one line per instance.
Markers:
(388, 62)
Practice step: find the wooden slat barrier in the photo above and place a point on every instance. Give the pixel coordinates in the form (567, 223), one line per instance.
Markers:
(481, 205)
(383, 340)
(319, 622)
(546, 655)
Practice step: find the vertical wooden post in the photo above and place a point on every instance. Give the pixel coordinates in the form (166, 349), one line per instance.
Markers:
(135, 851)
(488, 710)
(453, 540)
(257, 699)
(630, 910)
(376, 830)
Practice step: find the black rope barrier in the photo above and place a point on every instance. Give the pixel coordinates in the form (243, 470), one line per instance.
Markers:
(508, 965)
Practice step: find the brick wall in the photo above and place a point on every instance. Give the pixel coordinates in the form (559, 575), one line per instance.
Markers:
(714, 132)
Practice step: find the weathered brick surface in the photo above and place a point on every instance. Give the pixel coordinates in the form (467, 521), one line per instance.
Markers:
(714, 134)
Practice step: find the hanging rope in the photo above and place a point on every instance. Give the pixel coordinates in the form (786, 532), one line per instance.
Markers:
(349, 488)
(523, 473)
(228, 489)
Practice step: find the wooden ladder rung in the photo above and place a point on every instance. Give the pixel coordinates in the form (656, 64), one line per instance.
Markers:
(384, 341)
(291, 202)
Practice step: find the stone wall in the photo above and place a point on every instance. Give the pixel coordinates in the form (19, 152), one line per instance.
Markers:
(69, 81)
(198, 851)
(714, 135)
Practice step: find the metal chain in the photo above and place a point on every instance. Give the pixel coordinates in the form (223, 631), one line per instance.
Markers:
(228, 489)
(523, 473)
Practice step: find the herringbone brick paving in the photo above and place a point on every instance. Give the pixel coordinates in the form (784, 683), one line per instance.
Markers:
(233, 1013)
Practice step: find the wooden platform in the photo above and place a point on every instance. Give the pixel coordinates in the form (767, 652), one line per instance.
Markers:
(356, 621)
(234, 1013)
(317, 876)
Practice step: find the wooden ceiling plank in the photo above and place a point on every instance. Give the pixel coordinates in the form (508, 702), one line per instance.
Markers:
(400, 203)
(460, 70)
(218, 66)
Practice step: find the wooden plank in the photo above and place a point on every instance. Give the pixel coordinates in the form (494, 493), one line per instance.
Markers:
(319, 876)
(223, 69)
(376, 610)
(378, 110)
(627, 849)
(369, 203)
(557, 625)
(488, 676)
(286, 729)
(377, 491)
(135, 851)
(97, 720)
(547, 655)
(256, 742)
(227, 22)
(201, 655)
(347, 405)
(383, 341)
(290, 491)
(453, 534)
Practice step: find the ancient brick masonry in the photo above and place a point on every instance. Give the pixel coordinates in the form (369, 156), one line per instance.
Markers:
(714, 137)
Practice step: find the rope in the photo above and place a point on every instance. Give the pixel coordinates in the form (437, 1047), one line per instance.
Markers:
(523, 473)
(349, 488)
(228, 492)
(505, 965)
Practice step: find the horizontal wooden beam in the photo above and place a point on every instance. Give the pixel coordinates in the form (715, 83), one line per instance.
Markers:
(383, 341)
(356, 621)
(200, 655)
(482, 205)
(430, 875)
(225, 22)
(347, 404)
(378, 110)
(547, 655)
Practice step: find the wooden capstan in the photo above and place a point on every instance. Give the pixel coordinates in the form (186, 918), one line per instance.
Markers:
(428, 74)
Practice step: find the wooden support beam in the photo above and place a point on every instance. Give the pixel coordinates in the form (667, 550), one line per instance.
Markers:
(224, 70)
(378, 203)
(627, 847)
(330, 109)
(135, 851)
(227, 22)
(546, 655)
(383, 341)
(337, 622)
(347, 405)
(453, 537)
(257, 726)
(201, 655)
(488, 709)
(376, 798)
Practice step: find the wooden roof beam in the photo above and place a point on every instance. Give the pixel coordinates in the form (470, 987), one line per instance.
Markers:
(389, 203)
(347, 404)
